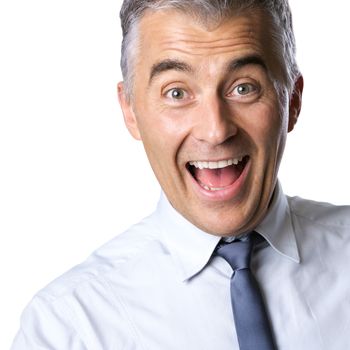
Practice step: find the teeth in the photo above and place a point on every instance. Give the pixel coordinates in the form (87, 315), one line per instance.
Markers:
(223, 163)
(212, 188)
(216, 165)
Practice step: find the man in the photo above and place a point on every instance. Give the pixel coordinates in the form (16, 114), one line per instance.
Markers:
(212, 89)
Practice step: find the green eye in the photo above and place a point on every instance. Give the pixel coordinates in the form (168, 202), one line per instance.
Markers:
(176, 94)
(244, 89)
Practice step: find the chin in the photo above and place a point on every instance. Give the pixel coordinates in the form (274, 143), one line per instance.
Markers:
(221, 225)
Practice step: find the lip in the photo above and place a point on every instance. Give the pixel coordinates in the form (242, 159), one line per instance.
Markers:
(226, 194)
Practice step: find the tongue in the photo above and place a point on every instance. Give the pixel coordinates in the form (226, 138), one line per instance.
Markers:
(217, 178)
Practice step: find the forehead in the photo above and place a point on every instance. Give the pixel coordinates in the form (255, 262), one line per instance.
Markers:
(171, 34)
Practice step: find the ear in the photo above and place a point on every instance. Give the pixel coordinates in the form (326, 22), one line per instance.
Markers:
(295, 102)
(128, 112)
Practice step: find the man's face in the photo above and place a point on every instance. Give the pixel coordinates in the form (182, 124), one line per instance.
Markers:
(206, 108)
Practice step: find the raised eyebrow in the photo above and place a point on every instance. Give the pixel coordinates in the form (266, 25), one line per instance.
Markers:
(167, 65)
(244, 61)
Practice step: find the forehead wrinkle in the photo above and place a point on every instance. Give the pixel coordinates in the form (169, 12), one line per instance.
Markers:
(218, 46)
(200, 39)
(209, 51)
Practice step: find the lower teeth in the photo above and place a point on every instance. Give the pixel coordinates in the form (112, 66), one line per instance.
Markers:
(212, 188)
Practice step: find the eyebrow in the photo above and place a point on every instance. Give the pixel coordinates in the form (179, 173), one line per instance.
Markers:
(245, 61)
(167, 65)
(177, 65)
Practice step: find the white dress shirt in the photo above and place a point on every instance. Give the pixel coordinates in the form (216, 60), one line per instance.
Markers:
(158, 286)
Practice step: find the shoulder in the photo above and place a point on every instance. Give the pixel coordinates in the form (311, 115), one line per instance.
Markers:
(62, 312)
(320, 213)
(134, 244)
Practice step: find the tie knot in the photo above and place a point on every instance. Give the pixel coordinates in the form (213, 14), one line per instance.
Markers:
(236, 253)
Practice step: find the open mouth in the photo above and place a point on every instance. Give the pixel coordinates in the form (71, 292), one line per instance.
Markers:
(217, 176)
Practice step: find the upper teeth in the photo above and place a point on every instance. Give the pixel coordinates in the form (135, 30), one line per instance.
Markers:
(216, 165)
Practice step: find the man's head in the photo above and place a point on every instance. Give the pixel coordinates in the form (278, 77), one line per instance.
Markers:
(211, 88)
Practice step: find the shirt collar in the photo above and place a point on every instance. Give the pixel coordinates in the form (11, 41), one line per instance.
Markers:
(277, 227)
(192, 248)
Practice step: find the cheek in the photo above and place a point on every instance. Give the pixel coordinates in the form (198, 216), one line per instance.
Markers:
(166, 127)
(163, 129)
(162, 137)
(264, 124)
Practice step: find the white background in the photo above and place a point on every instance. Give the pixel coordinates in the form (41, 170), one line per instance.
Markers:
(71, 177)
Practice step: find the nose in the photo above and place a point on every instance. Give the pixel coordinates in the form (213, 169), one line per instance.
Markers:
(214, 122)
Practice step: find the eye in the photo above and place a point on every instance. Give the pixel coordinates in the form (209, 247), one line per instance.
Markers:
(244, 89)
(176, 94)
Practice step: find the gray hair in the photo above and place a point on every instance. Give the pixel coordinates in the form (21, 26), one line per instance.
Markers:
(210, 12)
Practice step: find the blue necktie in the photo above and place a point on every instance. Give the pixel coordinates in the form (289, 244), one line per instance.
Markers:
(252, 324)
